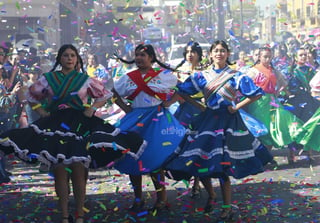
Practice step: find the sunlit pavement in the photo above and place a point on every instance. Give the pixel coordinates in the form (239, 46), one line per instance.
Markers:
(283, 193)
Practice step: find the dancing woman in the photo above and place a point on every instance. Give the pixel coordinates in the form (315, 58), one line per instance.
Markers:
(281, 123)
(146, 88)
(298, 92)
(185, 111)
(68, 137)
(220, 144)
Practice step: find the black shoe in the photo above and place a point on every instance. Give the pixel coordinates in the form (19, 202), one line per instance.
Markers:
(226, 215)
(195, 193)
(137, 206)
(209, 206)
(159, 207)
(69, 218)
(273, 162)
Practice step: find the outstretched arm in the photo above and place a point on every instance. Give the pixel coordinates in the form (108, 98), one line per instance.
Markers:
(193, 102)
(177, 96)
(126, 108)
(243, 103)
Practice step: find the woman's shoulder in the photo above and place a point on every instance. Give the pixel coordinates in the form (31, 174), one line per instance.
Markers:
(49, 72)
(232, 71)
(166, 74)
(252, 70)
(200, 73)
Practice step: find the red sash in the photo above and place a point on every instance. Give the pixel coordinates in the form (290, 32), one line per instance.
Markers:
(141, 83)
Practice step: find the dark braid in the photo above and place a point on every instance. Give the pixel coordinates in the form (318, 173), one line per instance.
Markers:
(180, 64)
(123, 60)
(163, 65)
(55, 66)
(292, 67)
(148, 48)
(81, 64)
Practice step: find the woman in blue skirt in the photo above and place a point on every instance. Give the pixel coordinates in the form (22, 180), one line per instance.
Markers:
(185, 111)
(146, 88)
(68, 137)
(219, 144)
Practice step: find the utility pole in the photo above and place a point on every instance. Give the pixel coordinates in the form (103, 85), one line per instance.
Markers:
(221, 28)
(241, 19)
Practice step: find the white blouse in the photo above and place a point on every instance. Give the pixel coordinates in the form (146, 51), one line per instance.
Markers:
(164, 82)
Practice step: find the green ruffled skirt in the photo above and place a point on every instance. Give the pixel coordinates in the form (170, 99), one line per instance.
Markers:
(280, 122)
(309, 134)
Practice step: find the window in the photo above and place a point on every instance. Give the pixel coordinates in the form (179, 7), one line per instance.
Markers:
(298, 13)
(308, 11)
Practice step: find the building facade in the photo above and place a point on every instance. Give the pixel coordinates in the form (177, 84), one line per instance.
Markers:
(304, 17)
(299, 17)
(55, 22)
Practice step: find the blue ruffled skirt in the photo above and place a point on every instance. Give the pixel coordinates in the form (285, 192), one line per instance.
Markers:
(162, 132)
(185, 113)
(219, 143)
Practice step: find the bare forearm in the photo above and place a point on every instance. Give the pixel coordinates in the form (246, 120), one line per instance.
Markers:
(89, 111)
(175, 97)
(39, 109)
(13, 75)
(192, 101)
(99, 104)
(118, 100)
(246, 102)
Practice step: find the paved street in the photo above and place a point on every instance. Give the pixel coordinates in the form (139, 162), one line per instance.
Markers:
(286, 193)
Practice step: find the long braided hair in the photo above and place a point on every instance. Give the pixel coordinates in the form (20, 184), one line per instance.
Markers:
(61, 51)
(148, 48)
